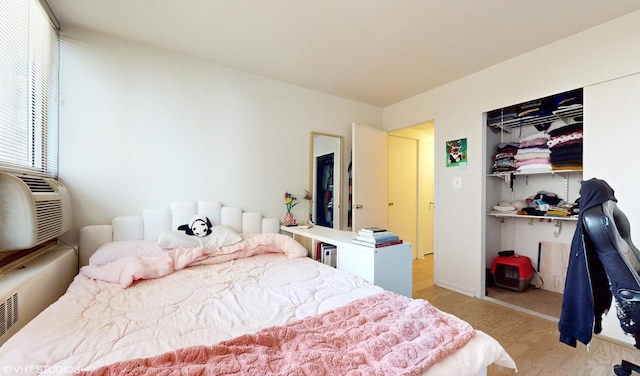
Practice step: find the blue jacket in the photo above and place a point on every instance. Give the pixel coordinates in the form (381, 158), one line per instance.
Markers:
(586, 293)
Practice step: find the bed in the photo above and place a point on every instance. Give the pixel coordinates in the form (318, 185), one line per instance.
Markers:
(245, 300)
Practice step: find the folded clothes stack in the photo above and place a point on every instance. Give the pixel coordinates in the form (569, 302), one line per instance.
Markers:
(533, 153)
(568, 99)
(563, 210)
(565, 146)
(540, 203)
(504, 159)
(499, 116)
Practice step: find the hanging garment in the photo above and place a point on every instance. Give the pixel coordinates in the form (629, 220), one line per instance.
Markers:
(586, 294)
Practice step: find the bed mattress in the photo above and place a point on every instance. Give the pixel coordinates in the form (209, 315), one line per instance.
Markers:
(97, 323)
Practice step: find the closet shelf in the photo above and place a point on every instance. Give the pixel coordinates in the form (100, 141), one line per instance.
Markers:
(517, 173)
(563, 114)
(552, 218)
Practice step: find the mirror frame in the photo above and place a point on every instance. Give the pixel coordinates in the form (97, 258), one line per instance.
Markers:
(337, 170)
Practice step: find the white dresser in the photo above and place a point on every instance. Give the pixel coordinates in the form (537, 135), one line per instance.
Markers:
(388, 267)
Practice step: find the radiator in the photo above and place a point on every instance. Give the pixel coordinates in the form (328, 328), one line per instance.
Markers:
(29, 289)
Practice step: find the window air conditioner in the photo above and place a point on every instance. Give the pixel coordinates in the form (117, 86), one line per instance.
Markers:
(33, 210)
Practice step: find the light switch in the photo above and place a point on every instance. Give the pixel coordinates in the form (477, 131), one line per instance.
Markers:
(457, 182)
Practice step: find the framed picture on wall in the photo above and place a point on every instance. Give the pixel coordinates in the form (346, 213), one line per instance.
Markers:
(456, 152)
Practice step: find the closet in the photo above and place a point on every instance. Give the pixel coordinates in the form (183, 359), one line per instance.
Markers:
(534, 168)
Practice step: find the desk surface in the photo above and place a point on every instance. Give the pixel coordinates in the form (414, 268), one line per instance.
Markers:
(323, 234)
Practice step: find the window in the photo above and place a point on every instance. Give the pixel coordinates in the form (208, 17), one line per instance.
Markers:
(29, 60)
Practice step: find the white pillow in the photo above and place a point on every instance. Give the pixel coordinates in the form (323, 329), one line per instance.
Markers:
(112, 251)
(177, 238)
(220, 236)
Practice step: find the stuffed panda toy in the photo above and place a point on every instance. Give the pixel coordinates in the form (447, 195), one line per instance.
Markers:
(198, 225)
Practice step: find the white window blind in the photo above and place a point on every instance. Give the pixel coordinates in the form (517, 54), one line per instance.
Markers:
(29, 60)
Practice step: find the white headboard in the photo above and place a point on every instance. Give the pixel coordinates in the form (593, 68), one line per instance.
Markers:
(154, 222)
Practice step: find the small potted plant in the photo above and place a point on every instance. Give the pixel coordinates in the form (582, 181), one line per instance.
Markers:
(290, 200)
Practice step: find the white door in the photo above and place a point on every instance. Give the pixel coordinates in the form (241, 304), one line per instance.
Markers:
(369, 177)
(403, 189)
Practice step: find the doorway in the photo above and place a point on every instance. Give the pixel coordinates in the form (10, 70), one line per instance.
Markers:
(423, 188)
(402, 189)
(422, 183)
(371, 204)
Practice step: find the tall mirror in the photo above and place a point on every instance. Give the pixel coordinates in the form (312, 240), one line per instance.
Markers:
(325, 179)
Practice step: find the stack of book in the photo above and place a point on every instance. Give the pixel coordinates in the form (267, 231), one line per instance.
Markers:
(376, 237)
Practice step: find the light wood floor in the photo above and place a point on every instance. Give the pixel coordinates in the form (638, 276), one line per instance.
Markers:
(530, 340)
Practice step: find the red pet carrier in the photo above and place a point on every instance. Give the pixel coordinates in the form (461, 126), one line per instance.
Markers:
(512, 272)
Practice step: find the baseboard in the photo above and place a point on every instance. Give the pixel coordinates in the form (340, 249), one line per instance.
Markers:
(455, 288)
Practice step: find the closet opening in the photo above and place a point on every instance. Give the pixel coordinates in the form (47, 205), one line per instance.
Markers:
(532, 183)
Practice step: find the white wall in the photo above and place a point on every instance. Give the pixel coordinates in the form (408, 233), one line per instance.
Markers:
(141, 127)
(605, 52)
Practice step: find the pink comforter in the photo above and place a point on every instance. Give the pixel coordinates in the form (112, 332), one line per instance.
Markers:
(126, 270)
(384, 334)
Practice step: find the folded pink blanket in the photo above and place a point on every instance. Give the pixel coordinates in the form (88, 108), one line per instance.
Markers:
(384, 334)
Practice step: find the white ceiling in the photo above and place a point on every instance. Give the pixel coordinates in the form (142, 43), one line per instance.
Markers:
(373, 51)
